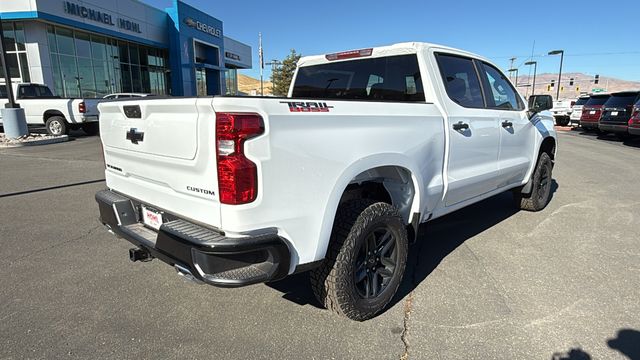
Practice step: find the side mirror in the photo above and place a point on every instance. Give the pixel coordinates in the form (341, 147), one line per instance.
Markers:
(539, 103)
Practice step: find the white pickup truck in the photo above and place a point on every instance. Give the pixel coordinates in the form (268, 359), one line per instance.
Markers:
(58, 115)
(335, 178)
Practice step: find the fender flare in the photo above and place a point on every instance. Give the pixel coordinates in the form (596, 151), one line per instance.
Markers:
(351, 172)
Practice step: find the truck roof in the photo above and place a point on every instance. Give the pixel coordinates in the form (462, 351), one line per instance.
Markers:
(389, 50)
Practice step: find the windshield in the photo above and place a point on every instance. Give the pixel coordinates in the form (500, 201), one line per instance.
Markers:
(395, 78)
(597, 100)
(621, 100)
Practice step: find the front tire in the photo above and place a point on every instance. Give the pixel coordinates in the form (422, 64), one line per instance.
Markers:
(365, 261)
(57, 125)
(541, 190)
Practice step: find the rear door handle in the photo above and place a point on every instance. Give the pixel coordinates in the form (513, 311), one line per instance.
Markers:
(460, 126)
(506, 124)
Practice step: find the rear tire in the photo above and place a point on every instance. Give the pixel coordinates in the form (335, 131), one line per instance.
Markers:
(57, 125)
(352, 280)
(541, 190)
(91, 129)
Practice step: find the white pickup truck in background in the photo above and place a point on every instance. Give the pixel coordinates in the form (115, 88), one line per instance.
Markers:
(562, 110)
(335, 178)
(58, 115)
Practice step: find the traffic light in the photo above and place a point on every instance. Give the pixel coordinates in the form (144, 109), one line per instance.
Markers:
(553, 83)
(561, 88)
(571, 82)
(548, 87)
(596, 79)
(578, 88)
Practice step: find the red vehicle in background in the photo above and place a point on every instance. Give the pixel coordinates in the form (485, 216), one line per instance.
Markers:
(592, 110)
(634, 122)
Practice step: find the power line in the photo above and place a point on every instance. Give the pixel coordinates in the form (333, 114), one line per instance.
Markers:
(583, 54)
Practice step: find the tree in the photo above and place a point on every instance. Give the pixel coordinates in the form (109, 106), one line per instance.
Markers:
(282, 75)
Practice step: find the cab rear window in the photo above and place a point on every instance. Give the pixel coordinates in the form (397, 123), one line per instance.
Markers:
(392, 78)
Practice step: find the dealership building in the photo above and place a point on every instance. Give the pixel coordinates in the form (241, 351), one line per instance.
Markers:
(90, 48)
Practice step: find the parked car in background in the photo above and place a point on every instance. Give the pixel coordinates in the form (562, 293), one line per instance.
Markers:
(634, 121)
(125, 96)
(576, 109)
(58, 115)
(592, 110)
(616, 112)
(562, 111)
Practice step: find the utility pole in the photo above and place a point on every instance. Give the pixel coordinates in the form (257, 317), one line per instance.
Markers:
(274, 64)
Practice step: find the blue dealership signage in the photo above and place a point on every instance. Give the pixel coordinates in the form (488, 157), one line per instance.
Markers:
(100, 16)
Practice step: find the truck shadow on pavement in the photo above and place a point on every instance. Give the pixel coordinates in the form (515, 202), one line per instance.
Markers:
(436, 240)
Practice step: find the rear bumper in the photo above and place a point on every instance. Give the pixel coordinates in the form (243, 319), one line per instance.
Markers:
(614, 128)
(585, 124)
(197, 252)
(89, 118)
(634, 130)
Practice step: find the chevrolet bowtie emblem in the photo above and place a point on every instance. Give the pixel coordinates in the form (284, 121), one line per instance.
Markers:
(134, 136)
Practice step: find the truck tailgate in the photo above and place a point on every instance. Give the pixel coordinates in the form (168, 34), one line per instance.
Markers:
(162, 152)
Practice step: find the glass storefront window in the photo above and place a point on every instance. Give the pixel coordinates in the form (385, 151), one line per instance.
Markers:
(64, 38)
(20, 36)
(87, 81)
(70, 78)
(98, 49)
(124, 52)
(83, 45)
(9, 37)
(231, 81)
(24, 67)
(91, 65)
(51, 36)
(58, 87)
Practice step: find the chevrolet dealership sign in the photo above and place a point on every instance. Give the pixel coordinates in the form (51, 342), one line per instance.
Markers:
(203, 27)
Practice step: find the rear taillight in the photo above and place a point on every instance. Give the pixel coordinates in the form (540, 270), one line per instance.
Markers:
(237, 175)
(635, 117)
(82, 108)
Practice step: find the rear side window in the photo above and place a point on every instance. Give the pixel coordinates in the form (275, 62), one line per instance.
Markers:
(581, 101)
(392, 78)
(597, 100)
(621, 100)
(461, 80)
(501, 95)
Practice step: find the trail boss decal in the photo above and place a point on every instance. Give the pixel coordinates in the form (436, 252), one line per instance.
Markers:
(307, 106)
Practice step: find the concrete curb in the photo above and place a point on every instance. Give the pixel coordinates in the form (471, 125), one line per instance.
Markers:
(59, 139)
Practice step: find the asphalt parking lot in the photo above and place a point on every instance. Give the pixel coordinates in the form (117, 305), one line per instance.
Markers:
(487, 282)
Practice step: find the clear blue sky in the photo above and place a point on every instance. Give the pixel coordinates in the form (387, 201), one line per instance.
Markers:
(599, 39)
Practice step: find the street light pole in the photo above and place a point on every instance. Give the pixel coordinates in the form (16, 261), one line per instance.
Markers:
(516, 71)
(535, 69)
(561, 53)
